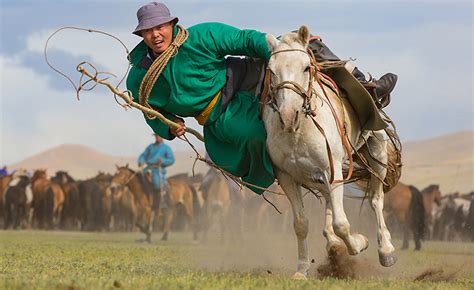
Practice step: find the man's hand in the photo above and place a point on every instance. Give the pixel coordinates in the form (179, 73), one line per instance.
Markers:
(180, 130)
(158, 163)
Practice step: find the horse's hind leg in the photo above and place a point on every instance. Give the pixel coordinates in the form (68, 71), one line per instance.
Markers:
(355, 243)
(378, 150)
(406, 234)
(300, 223)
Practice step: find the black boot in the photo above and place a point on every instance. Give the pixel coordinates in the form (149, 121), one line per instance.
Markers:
(383, 87)
(379, 89)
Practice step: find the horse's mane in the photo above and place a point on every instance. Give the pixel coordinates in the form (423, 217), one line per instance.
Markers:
(68, 177)
(430, 188)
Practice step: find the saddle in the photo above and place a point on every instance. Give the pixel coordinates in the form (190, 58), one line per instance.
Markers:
(360, 99)
(357, 95)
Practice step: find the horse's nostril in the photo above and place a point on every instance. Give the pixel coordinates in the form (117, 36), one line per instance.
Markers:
(282, 123)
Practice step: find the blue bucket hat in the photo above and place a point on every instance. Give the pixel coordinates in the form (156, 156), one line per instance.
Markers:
(151, 15)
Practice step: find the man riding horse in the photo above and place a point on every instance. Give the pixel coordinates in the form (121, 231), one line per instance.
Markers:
(185, 73)
(154, 160)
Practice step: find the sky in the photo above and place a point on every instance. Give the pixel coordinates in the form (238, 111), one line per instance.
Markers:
(428, 44)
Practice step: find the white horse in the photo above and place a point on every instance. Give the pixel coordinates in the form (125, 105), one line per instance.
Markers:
(300, 151)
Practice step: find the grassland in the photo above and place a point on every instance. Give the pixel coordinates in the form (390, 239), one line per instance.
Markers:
(74, 260)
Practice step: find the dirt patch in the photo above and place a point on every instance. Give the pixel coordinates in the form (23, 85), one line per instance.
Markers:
(436, 275)
(339, 264)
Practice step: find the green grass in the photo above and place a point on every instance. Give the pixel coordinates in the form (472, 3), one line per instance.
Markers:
(74, 260)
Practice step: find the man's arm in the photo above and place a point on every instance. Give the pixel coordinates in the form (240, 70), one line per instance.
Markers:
(168, 157)
(229, 40)
(143, 156)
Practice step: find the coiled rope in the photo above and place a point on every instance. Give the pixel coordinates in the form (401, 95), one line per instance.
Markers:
(158, 66)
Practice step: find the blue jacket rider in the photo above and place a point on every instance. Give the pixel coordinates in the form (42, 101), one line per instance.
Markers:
(157, 157)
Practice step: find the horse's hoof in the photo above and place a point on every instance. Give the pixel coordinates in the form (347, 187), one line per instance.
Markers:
(299, 276)
(387, 260)
(361, 243)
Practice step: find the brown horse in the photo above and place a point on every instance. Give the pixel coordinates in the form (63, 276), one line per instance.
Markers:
(404, 204)
(431, 195)
(70, 218)
(48, 200)
(123, 211)
(217, 194)
(126, 177)
(268, 217)
(4, 181)
(180, 193)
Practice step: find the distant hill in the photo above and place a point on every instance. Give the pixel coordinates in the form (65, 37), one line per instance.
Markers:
(447, 160)
(83, 162)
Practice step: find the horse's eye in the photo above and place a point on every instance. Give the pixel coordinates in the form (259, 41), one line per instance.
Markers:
(306, 69)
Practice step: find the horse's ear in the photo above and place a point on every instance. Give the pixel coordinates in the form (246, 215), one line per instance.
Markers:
(272, 42)
(115, 166)
(303, 35)
(126, 166)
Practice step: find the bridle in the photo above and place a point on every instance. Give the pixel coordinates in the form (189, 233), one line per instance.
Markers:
(269, 92)
(127, 179)
(268, 98)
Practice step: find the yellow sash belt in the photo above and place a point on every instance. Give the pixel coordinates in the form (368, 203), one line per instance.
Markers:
(204, 114)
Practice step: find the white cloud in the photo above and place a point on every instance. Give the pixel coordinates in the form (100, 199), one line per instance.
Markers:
(106, 53)
(36, 117)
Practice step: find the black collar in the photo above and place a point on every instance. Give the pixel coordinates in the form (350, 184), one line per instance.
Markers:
(147, 59)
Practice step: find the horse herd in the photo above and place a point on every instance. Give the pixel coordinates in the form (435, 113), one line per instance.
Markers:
(124, 202)
(429, 215)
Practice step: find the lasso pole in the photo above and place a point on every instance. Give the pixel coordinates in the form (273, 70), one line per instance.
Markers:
(128, 99)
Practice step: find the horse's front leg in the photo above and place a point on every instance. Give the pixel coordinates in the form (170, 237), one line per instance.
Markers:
(378, 150)
(168, 215)
(300, 223)
(355, 243)
(333, 241)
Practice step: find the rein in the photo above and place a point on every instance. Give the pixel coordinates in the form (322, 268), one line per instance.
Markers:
(129, 179)
(269, 93)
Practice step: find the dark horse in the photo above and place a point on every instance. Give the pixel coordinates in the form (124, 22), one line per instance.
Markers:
(405, 205)
(16, 205)
(91, 196)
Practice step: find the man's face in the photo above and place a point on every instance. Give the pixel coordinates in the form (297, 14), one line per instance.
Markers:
(158, 139)
(159, 37)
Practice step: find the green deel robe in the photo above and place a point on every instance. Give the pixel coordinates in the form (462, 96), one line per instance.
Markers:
(235, 139)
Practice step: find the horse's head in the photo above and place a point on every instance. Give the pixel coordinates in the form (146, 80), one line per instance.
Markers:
(122, 176)
(435, 192)
(40, 174)
(291, 70)
(62, 177)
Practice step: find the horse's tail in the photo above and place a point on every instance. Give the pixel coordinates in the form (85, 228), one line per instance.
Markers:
(394, 160)
(196, 205)
(49, 205)
(417, 211)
